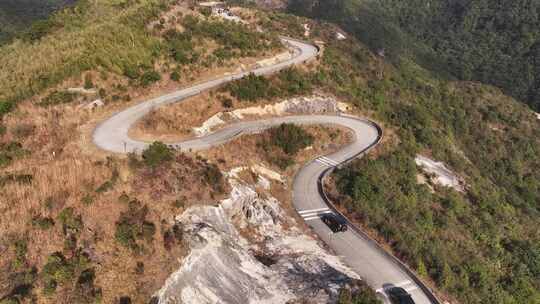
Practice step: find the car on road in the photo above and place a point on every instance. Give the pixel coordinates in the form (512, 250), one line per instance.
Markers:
(399, 295)
(335, 223)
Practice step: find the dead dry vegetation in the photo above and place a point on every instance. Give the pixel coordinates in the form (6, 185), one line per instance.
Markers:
(98, 227)
(64, 218)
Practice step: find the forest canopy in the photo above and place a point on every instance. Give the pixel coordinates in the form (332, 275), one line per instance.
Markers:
(492, 41)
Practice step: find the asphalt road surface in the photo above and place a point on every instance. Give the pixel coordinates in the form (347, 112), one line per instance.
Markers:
(376, 267)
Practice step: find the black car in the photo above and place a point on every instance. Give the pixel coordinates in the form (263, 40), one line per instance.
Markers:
(399, 295)
(335, 223)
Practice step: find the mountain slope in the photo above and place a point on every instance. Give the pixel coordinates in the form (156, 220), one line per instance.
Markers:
(17, 16)
(80, 225)
(478, 245)
(495, 42)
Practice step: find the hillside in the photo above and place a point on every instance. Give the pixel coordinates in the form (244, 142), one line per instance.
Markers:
(16, 17)
(495, 42)
(82, 225)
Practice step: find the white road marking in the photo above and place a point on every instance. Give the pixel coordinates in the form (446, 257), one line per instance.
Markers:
(327, 161)
(313, 214)
(312, 210)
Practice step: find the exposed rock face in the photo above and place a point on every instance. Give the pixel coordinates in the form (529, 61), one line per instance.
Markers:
(315, 104)
(224, 267)
(441, 174)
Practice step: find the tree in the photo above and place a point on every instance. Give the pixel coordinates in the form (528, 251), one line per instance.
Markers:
(156, 154)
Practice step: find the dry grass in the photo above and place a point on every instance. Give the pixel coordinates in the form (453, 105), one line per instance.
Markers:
(65, 169)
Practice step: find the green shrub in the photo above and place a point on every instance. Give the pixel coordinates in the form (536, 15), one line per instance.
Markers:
(251, 88)
(223, 53)
(131, 71)
(20, 248)
(360, 293)
(126, 234)
(149, 77)
(175, 76)
(10, 151)
(132, 226)
(71, 223)
(9, 300)
(227, 103)
(181, 48)
(293, 82)
(206, 11)
(213, 177)
(38, 30)
(57, 271)
(156, 154)
(288, 82)
(43, 223)
(88, 84)
(6, 107)
(87, 200)
(22, 179)
(290, 138)
(106, 186)
(58, 97)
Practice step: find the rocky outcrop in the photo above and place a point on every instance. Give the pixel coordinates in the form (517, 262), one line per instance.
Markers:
(277, 264)
(315, 104)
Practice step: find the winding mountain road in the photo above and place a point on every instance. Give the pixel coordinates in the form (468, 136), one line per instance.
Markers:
(378, 268)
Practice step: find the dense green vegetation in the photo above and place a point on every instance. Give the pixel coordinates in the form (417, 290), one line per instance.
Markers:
(114, 37)
(17, 17)
(132, 227)
(281, 144)
(104, 34)
(479, 246)
(156, 154)
(76, 271)
(288, 82)
(496, 42)
(290, 138)
(11, 151)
